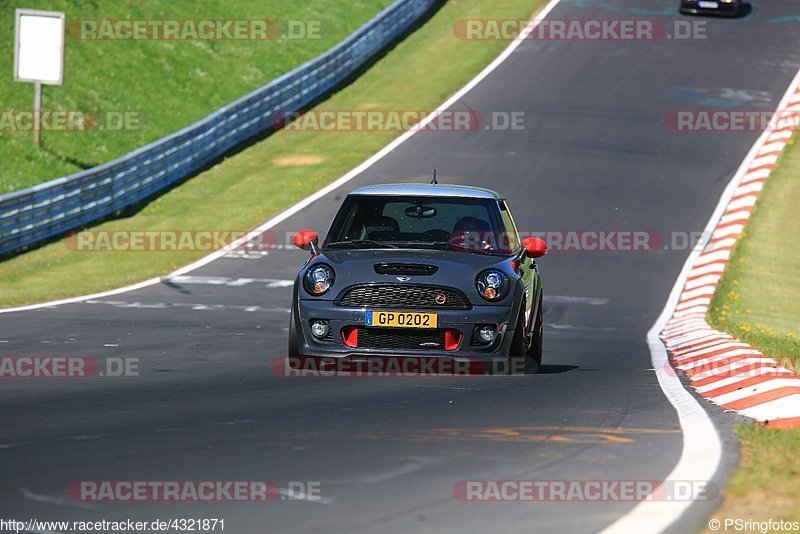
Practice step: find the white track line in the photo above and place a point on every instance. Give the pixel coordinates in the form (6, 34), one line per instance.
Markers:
(702, 450)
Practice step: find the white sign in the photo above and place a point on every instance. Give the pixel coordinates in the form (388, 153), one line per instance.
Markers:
(39, 47)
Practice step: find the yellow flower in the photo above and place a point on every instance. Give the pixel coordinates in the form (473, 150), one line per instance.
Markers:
(791, 335)
(745, 327)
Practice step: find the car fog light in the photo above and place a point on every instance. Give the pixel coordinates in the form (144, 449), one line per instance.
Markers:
(485, 334)
(320, 329)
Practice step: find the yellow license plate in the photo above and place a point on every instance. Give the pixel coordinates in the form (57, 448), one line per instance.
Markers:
(401, 319)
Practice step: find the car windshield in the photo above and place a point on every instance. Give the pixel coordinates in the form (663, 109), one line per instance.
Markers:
(468, 224)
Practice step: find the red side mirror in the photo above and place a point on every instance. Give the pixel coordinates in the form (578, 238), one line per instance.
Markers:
(535, 247)
(306, 240)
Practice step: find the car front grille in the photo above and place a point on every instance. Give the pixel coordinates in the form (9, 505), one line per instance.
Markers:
(406, 296)
(399, 339)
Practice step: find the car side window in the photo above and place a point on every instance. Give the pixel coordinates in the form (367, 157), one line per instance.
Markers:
(510, 227)
(350, 227)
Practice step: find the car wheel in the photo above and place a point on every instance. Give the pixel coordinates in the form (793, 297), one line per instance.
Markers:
(524, 358)
(292, 349)
(534, 359)
(516, 363)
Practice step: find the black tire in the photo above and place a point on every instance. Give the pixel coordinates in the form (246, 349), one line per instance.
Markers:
(535, 351)
(293, 348)
(525, 354)
(516, 362)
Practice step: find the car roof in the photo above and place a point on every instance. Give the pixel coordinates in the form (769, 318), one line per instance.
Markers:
(428, 190)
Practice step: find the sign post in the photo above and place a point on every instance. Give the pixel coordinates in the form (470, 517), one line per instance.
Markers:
(39, 55)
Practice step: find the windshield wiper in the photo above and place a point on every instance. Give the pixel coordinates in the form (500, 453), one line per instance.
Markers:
(431, 244)
(360, 243)
(445, 245)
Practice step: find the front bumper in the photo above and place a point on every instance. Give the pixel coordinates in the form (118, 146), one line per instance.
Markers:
(464, 321)
(692, 7)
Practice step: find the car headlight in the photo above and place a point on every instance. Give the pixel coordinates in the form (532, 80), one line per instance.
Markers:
(319, 279)
(492, 285)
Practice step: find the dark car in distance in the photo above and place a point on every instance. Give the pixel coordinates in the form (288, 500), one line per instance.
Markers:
(418, 269)
(726, 8)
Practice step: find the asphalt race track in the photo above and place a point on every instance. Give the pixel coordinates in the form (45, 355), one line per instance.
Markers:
(594, 155)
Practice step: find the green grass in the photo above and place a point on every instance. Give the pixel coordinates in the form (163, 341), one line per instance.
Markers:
(766, 485)
(758, 299)
(245, 190)
(167, 84)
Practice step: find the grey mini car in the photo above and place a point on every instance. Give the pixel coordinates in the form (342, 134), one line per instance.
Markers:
(410, 269)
